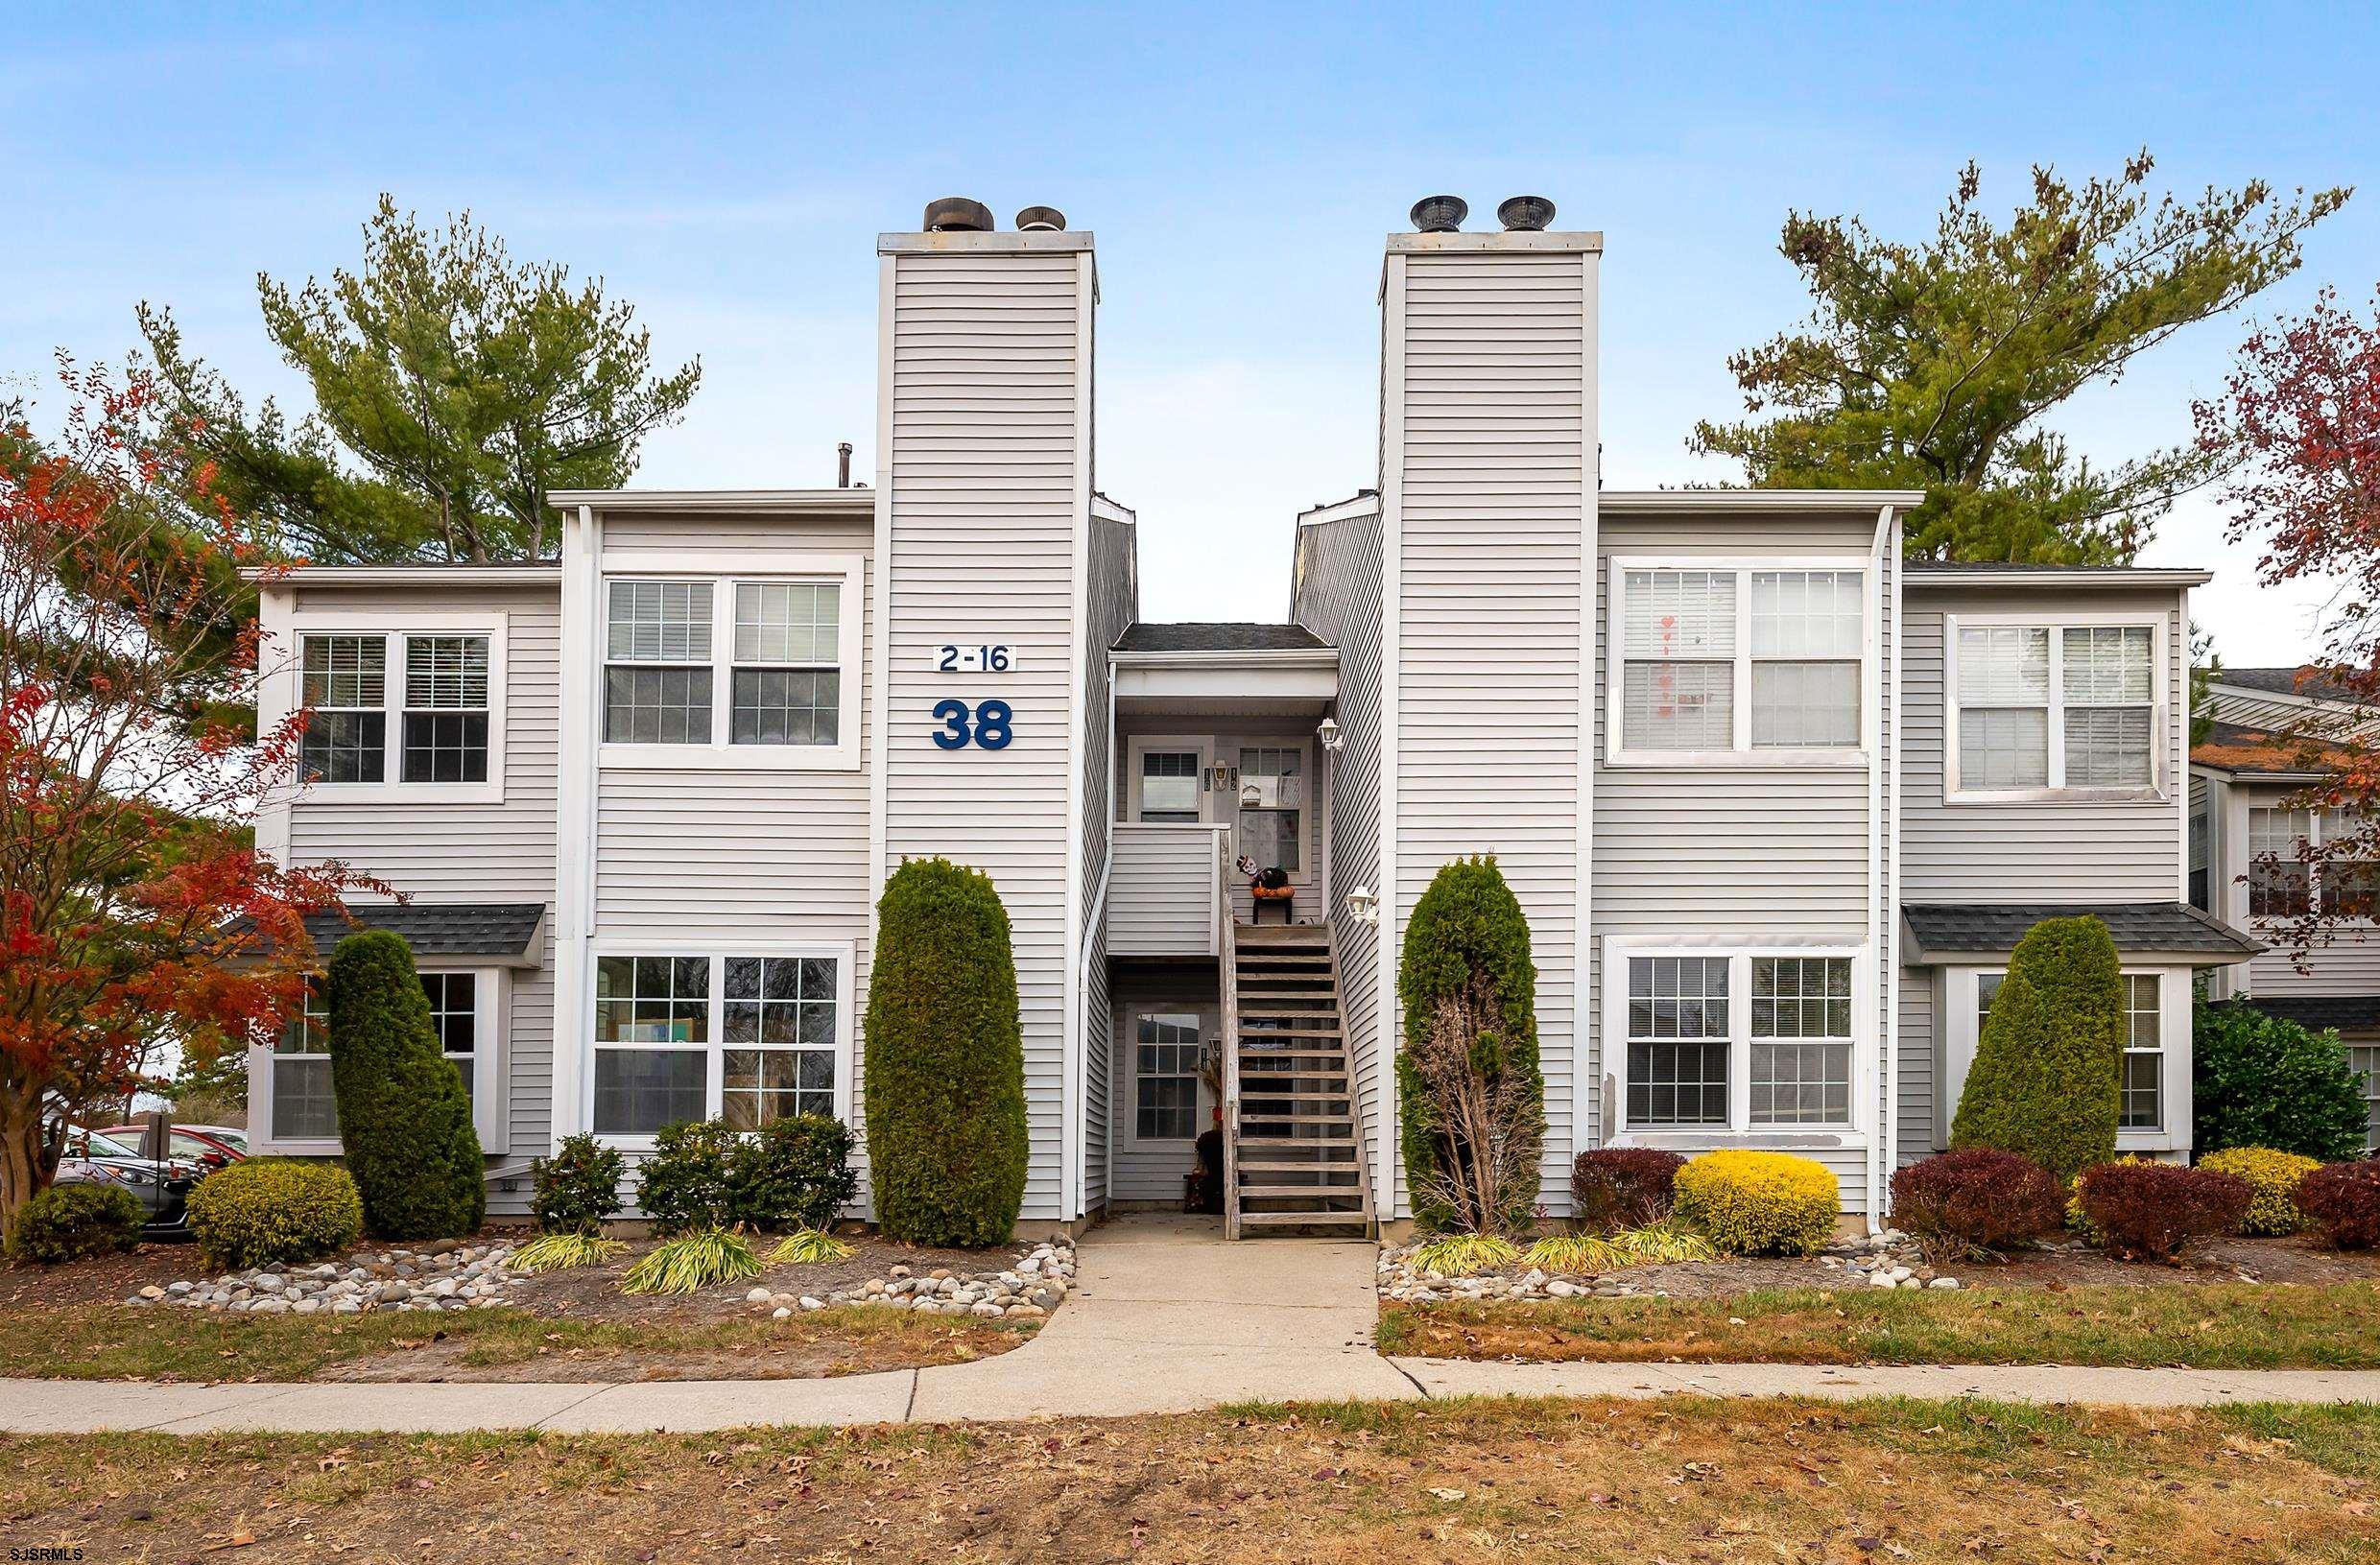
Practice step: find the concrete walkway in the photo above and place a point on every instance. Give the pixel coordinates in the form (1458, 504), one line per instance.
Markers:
(1166, 1317)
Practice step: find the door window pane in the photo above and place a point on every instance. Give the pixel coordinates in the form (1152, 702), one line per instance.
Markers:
(1169, 786)
(1272, 795)
(1166, 1054)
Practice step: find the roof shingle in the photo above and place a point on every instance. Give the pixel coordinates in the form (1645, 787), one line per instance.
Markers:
(1991, 926)
(1217, 636)
(498, 929)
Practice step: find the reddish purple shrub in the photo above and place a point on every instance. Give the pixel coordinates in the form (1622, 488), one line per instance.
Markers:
(2149, 1211)
(1975, 1199)
(1623, 1187)
(2343, 1200)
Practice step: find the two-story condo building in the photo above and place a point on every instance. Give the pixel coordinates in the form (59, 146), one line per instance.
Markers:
(1777, 804)
(2273, 733)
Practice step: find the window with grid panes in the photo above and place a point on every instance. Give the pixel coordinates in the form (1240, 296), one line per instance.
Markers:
(785, 686)
(445, 715)
(1677, 1040)
(1166, 1052)
(1806, 634)
(651, 1042)
(1272, 801)
(1678, 642)
(303, 1105)
(658, 663)
(777, 1027)
(1800, 1041)
(343, 683)
(454, 1016)
(1169, 786)
(2144, 1055)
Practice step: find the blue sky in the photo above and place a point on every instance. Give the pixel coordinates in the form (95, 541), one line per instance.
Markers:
(728, 169)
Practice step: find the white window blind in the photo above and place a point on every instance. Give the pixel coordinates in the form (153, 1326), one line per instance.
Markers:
(2003, 708)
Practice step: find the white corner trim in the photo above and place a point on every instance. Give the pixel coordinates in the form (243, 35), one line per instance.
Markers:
(1585, 1129)
(574, 834)
(880, 679)
(1078, 653)
(1386, 1008)
(1887, 952)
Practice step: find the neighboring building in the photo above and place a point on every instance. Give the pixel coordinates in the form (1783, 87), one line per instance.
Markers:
(1777, 804)
(2272, 735)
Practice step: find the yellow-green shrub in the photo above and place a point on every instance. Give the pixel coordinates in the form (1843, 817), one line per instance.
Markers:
(1759, 1203)
(2272, 1178)
(272, 1209)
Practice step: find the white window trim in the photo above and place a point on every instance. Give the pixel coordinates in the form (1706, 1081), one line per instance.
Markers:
(489, 997)
(2160, 695)
(1959, 1037)
(843, 953)
(280, 693)
(1220, 807)
(1140, 745)
(1741, 753)
(1739, 1131)
(723, 571)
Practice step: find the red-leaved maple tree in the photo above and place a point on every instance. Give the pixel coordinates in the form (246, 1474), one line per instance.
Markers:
(133, 911)
(2301, 412)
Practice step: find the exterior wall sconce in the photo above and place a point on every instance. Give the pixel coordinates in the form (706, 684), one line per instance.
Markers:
(1363, 906)
(1333, 740)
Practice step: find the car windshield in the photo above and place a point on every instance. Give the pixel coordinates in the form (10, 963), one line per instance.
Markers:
(103, 1145)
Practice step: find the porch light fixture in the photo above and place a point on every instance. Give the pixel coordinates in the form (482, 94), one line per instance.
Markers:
(1363, 906)
(1333, 741)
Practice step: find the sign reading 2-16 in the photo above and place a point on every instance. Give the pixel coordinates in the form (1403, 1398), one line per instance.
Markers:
(987, 725)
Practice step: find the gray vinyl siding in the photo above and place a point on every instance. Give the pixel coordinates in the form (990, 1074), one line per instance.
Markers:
(1920, 999)
(1491, 504)
(1113, 602)
(988, 481)
(1737, 855)
(1337, 595)
(1161, 893)
(483, 852)
(2057, 851)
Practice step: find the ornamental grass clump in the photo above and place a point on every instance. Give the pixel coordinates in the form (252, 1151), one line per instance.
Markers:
(563, 1252)
(1975, 1202)
(1614, 1188)
(809, 1247)
(2342, 1203)
(1653, 1244)
(693, 1262)
(1759, 1203)
(2149, 1211)
(2272, 1179)
(1464, 1255)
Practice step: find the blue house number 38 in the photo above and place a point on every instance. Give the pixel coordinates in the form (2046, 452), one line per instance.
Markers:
(987, 725)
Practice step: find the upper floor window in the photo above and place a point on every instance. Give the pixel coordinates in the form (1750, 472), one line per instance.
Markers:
(2037, 707)
(753, 670)
(2282, 883)
(1739, 662)
(430, 694)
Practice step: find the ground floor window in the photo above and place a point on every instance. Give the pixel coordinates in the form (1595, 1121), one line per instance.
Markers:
(2364, 1059)
(2142, 1082)
(1166, 1054)
(303, 1105)
(750, 1038)
(1739, 1041)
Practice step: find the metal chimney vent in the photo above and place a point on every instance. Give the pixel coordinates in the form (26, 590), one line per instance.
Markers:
(1525, 214)
(1440, 214)
(1040, 220)
(956, 214)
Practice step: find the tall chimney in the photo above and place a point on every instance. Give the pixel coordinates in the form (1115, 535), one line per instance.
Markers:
(842, 464)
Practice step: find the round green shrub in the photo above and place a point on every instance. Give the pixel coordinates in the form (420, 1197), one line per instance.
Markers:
(2272, 1178)
(578, 1187)
(275, 1209)
(947, 1139)
(76, 1221)
(404, 1119)
(1467, 938)
(687, 1184)
(793, 1173)
(2045, 1083)
(1760, 1204)
(2262, 1081)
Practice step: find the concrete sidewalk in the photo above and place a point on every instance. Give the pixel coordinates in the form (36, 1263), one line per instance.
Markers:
(1165, 1317)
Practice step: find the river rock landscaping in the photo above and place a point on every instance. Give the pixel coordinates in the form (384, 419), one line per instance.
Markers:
(1029, 1290)
(445, 1274)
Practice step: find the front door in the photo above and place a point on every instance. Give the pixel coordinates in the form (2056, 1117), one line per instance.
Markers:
(1163, 1104)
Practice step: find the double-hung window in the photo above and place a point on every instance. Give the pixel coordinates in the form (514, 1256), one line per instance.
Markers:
(430, 692)
(302, 1109)
(1166, 1054)
(2284, 882)
(2053, 707)
(752, 670)
(2144, 1055)
(1739, 1041)
(750, 1038)
(1729, 661)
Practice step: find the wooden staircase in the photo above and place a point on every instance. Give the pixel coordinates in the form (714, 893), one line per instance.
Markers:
(1297, 1149)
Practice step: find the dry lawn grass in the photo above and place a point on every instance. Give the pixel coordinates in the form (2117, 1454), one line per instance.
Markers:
(2231, 1326)
(1675, 1481)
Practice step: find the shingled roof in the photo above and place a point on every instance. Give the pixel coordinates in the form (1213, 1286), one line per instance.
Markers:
(2347, 1013)
(1217, 636)
(2264, 752)
(2297, 679)
(499, 930)
(1988, 928)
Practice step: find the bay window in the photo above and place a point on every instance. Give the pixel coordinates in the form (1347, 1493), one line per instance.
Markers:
(432, 689)
(754, 667)
(2040, 708)
(1739, 1041)
(748, 1037)
(1738, 662)
(2152, 1082)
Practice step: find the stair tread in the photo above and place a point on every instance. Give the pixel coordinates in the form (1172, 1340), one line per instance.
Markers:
(1292, 1220)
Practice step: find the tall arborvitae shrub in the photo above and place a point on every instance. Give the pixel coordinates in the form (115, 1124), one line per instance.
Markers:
(404, 1119)
(947, 1140)
(1470, 1096)
(2046, 1080)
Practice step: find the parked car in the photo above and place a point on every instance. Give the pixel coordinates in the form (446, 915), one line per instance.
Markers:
(210, 1147)
(162, 1189)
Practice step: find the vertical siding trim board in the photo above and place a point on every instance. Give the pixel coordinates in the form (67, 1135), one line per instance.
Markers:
(1888, 955)
(1876, 1070)
(574, 858)
(1071, 1067)
(1385, 1002)
(879, 774)
(1585, 1130)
